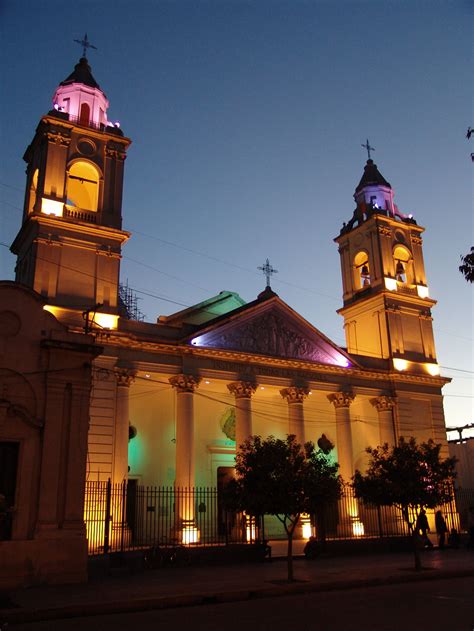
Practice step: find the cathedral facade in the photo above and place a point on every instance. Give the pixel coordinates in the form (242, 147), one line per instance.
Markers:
(171, 401)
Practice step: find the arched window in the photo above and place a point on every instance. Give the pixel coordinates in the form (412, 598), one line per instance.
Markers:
(403, 264)
(33, 191)
(361, 270)
(85, 115)
(83, 186)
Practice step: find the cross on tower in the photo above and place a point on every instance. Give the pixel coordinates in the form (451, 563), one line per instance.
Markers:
(84, 42)
(268, 270)
(368, 147)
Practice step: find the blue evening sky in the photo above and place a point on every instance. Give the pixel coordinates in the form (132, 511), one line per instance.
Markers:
(247, 120)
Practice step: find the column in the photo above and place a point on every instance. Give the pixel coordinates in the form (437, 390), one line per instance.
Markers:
(122, 418)
(295, 397)
(349, 523)
(385, 405)
(243, 391)
(342, 402)
(185, 386)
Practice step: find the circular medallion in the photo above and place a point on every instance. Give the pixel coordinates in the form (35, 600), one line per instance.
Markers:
(10, 324)
(86, 147)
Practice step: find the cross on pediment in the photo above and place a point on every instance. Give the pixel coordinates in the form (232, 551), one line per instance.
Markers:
(268, 270)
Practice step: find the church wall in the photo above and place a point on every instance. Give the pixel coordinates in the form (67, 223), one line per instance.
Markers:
(152, 452)
(365, 430)
(319, 418)
(213, 447)
(269, 413)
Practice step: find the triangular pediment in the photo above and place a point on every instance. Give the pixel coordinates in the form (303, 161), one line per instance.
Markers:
(272, 329)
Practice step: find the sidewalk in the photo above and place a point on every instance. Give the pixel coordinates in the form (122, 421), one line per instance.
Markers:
(190, 586)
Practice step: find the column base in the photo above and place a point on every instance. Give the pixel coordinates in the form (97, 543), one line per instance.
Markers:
(306, 528)
(350, 527)
(189, 532)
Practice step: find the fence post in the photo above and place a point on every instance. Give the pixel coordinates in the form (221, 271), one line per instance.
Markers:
(122, 525)
(107, 516)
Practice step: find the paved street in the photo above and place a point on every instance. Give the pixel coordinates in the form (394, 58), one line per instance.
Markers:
(430, 605)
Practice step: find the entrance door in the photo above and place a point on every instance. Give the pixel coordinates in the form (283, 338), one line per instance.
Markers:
(8, 474)
(225, 519)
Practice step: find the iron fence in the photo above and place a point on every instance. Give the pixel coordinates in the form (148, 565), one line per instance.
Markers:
(129, 516)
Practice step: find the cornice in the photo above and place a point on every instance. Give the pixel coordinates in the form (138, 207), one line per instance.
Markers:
(113, 338)
(85, 131)
(53, 224)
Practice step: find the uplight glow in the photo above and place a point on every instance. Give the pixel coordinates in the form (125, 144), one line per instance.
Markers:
(190, 534)
(306, 526)
(423, 291)
(390, 284)
(358, 529)
(400, 364)
(106, 320)
(433, 369)
(51, 207)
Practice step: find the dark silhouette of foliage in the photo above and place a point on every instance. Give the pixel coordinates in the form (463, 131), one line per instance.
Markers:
(467, 267)
(282, 478)
(409, 476)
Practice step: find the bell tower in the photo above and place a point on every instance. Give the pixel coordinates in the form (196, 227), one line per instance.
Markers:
(69, 245)
(387, 308)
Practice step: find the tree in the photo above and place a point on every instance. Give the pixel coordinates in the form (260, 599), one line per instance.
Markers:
(467, 267)
(409, 476)
(285, 479)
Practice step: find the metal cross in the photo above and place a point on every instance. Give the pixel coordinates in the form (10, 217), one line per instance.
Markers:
(368, 147)
(84, 42)
(268, 270)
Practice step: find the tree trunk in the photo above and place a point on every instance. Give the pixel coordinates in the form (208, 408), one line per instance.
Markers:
(416, 551)
(290, 554)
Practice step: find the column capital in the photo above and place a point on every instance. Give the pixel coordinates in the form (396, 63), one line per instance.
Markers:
(293, 394)
(242, 389)
(124, 377)
(184, 383)
(341, 399)
(384, 403)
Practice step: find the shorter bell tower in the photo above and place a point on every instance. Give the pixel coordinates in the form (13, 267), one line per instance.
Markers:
(69, 245)
(387, 308)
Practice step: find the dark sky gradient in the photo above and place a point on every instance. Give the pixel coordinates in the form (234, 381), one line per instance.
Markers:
(247, 120)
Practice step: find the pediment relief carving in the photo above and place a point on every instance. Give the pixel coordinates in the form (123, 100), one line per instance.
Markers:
(271, 334)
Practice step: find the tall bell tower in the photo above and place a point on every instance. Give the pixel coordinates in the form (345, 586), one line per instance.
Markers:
(69, 245)
(387, 308)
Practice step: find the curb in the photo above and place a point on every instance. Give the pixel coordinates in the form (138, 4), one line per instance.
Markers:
(14, 616)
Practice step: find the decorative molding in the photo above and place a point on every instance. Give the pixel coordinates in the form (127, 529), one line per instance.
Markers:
(115, 152)
(416, 239)
(184, 383)
(341, 399)
(11, 410)
(227, 423)
(59, 138)
(294, 394)
(384, 231)
(124, 377)
(241, 389)
(384, 403)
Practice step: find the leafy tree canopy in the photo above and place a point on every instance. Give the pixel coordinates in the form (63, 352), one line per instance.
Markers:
(282, 478)
(407, 475)
(467, 267)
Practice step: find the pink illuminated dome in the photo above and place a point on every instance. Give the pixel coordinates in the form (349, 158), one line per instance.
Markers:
(80, 96)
